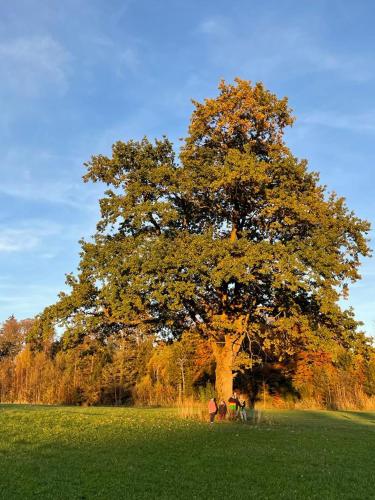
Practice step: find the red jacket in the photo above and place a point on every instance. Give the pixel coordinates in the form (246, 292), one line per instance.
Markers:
(212, 408)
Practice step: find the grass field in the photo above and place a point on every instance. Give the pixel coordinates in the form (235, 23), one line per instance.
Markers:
(84, 453)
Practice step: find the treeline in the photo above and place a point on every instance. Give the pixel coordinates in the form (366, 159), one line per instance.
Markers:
(136, 369)
(125, 369)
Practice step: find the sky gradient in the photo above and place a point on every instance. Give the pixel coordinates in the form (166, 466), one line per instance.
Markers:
(78, 75)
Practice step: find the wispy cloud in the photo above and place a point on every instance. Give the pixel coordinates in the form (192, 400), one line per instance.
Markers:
(215, 26)
(50, 191)
(26, 174)
(23, 239)
(25, 299)
(358, 122)
(121, 59)
(129, 59)
(28, 65)
(15, 240)
(268, 48)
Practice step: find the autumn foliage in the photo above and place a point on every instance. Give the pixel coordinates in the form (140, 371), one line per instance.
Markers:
(142, 371)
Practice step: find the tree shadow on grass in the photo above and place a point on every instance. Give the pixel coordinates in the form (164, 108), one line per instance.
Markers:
(355, 417)
(365, 414)
(307, 454)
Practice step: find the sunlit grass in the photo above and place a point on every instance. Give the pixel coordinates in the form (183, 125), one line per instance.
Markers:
(68, 452)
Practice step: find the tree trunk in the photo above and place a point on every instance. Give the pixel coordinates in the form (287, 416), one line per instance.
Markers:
(224, 353)
(183, 379)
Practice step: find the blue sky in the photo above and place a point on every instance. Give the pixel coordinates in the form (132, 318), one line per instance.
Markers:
(80, 74)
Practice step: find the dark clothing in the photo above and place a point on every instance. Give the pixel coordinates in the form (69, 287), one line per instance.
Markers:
(222, 411)
(212, 417)
(243, 412)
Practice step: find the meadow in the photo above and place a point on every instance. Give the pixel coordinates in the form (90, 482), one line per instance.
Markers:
(102, 452)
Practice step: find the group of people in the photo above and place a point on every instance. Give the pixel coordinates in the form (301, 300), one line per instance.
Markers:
(233, 409)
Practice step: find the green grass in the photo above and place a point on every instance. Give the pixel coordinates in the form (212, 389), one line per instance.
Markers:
(68, 452)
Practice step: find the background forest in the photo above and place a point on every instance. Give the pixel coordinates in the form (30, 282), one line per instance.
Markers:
(139, 370)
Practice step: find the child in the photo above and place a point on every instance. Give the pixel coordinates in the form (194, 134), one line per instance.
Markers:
(233, 406)
(222, 410)
(212, 409)
(243, 413)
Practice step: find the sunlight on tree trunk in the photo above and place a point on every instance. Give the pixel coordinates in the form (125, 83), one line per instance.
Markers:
(224, 353)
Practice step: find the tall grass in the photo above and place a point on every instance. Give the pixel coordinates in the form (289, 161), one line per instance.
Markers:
(192, 409)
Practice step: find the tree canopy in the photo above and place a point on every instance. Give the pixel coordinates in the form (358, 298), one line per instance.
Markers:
(234, 238)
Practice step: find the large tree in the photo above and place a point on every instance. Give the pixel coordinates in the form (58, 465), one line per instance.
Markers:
(236, 240)
(12, 336)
